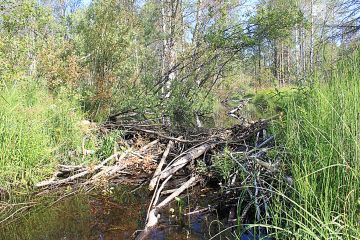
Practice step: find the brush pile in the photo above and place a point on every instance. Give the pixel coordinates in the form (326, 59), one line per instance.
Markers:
(169, 161)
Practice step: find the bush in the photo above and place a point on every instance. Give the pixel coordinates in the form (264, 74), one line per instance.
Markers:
(270, 102)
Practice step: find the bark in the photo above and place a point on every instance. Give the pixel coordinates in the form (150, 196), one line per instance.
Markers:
(157, 172)
(79, 175)
(181, 162)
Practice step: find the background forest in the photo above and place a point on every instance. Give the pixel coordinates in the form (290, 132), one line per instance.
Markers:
(63, 61)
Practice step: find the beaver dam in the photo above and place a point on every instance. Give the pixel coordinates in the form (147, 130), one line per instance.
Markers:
(159, 183)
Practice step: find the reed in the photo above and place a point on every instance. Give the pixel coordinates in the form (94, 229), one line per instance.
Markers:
(322, 138)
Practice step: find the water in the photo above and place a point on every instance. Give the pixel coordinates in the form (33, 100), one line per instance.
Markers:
(101, 215)
(116, 214)
(83, 216)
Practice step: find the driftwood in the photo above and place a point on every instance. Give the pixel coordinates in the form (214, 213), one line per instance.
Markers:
(188, 157)
(161, 164)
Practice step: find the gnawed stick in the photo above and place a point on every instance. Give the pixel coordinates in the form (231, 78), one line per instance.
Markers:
(181, 162)
(156, 196)
(203, 210)
(179, 139)
(110, 170)
(70, 168)
(159, 167)
(167, 192)
(79, 175)
(149, 145)
(185, 186)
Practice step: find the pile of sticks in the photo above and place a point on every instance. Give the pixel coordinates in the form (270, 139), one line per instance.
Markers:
(166, 156)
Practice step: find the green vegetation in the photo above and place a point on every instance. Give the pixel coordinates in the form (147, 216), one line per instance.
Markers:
(224, 165)
(270, 102)
(321, 136)
(35, 128)
(181, 63)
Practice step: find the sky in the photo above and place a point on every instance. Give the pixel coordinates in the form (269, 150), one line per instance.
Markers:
(86, 2)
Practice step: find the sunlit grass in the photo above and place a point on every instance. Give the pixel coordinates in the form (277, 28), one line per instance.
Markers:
(35, 129)
(322, 137)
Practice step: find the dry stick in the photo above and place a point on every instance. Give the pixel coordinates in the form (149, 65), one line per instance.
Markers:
(198, 211)
(159, 167)
(110, 170)
(144, 148)
(160, 190)
(155, 197)
(79, 175)
(152, 220)
(166, 192)
(97, 167)
(188, 150)
(178, 164)
(181, 162)
(157, 179)
(152, 199)
(70, 168)
(175, 166)
(185, 186)
(167, 137)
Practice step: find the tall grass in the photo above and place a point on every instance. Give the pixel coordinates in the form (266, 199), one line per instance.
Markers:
(35, 128)
(322, 137)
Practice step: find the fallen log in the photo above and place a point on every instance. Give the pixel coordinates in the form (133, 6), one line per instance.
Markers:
(188, 157)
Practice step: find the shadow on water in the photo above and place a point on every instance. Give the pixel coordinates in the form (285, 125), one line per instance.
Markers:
(113, 215)
(82, 216)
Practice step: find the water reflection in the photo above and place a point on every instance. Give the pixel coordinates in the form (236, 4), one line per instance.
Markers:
(112, 216)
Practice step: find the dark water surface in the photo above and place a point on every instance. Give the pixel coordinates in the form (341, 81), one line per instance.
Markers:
(114, 214)
(117, 214)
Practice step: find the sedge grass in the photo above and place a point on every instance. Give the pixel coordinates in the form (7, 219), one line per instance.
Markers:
(322, 137)
(35, 128)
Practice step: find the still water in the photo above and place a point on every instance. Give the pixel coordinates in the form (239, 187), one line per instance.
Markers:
(116, 215)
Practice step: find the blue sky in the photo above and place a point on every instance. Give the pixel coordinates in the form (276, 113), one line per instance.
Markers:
(86, 2)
